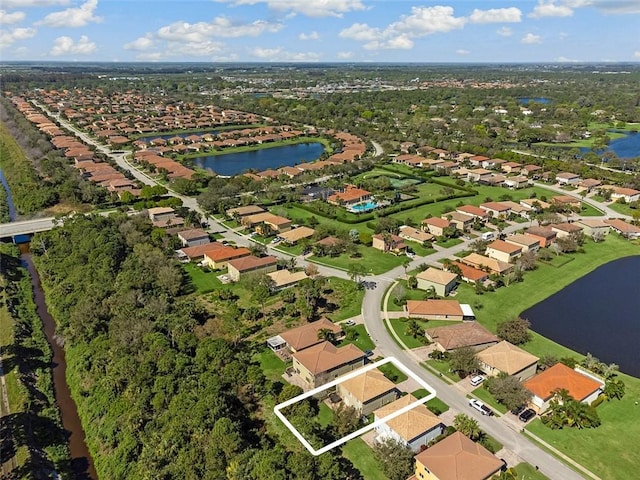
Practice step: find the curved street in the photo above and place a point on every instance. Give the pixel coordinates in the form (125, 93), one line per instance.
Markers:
(503, 429)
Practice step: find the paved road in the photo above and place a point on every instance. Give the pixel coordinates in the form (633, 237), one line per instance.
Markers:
(26, 226)
(499, 428)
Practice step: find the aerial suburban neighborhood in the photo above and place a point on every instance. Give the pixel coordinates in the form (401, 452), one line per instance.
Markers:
(208, 246)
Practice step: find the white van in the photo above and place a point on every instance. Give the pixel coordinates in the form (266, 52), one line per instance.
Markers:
(489, 236)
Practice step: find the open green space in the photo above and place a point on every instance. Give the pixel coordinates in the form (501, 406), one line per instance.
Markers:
(362, 339)
(374, 261)
(595, 448)
(361, 455)
(203, 281)
(442, 368)
(392, 372)
(588, 210)
(271, 365)
(436, 405)
(325, 415)
(525, 471)
(348, 298)
(622, 208)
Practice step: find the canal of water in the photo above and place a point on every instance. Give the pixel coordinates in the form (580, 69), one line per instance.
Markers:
(598, 314)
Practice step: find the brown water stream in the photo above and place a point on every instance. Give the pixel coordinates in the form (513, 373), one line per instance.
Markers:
(81, 460)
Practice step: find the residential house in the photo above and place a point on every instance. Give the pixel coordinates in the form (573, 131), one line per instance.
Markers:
(462, 221)
(309, 334)
(389, 243)
(471, 274)
(197, 252)
(294, 236)
(566, 201)
(239, 212)
(478, 174)
(351, 195)
(251, 265)
(456, 458)
(590, 183)
(504, 251)
(266, 223)
(477, 160)
(505, 357)
(496, 209)
(625, 229)
(367, 392)
(495, 180)
(528, 243)
(458, 335)
(544, 234)
(564, 230)
(581, 386)
(218, 258)
(517, 182)
(517, 209)
(535, 204)
(414, 428)
(439, 310)
(193, 237)
(511, 167)
(486, 263)
(324, 362)
(285, 278)
(435, 226)
(157, 214)
(474, 211)
(621, 193)
(567, 178)
(493, 163)
(442, 282)
(591, 227)
(532, 171)
(415, 235)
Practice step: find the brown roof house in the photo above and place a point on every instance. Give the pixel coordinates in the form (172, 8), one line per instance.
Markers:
(456, 458)
(625, 229)
(218, 258)
(367, 392)
(592, 227)
(466, 334)
(389, 243)
(413, 234)
(582, 386)
(504, 251)
(251, 265)
(194, 237)
(441, 281)
(435, 226)
(505, 357)
(415, 428)
(325, 362)
(308, 335)
(439, 310)
(294, 236)
(544, 234)
(528, 243)
(491, 264)
(286, 278)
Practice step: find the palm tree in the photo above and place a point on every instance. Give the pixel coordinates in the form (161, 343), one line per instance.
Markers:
(414, 329)
(468, 426)
(430, 293)
(326, 335)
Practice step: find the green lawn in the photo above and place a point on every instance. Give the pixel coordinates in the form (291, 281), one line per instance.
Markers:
(493, 444)
(484, 395)
(436, 405)
(400, 328)
(412, 294)
(443, 368)
(363, 459)
(202, 281)
(362, 341)
(614, 439)
(525, 471)
(392, 372)
(347, 296)
(271, 365)
(450, 242)
(590, 211)
(374, 261)
(622, 208)
(325, 415)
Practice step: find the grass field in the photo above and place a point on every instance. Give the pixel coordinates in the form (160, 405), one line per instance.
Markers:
(347, 296)
(363, 459)
(374, 261)
(203, 282)
(392, 372)
(525, 471)
(362, 341)
(436, 405)
(271, 365)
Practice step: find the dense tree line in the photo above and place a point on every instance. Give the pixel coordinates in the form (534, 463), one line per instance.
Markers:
(35, 425)
(157, 397)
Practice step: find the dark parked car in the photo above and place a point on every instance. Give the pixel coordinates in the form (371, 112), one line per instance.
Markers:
(527, 415)
(518, 410)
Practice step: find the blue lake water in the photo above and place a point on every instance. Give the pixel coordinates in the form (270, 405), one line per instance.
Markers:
(598, 314)
(526, 100)
(274, 157)
(625, 147)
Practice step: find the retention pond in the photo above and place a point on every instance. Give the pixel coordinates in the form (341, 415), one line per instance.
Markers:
(597, 314)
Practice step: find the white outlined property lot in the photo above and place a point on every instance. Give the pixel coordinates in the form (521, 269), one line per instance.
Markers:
(277, 409)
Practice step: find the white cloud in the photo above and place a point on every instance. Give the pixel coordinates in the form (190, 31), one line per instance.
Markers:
(619, 7)
(505, 32)
(7, 18)
(140, 44)
(636, 54)
(566, 60)
(347, 55)
(530, 39)
(496, 15)
(548, 8)
(206, 48)
(309, 36)
(73, 17)
(281, 55)
(400, 34)
(462, 51)
(310, 8)
(8, 37)
(33, 3)
(218, 27)
(66, 46)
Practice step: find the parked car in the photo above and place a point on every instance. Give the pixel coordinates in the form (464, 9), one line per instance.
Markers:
(350, 323)
(518, 410)
(368, 353)
(477, 380)
(527, 415)
(481, 407)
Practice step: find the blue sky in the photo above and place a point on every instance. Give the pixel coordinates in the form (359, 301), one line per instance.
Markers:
(321, 30)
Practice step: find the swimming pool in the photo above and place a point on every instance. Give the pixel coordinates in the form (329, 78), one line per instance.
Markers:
(363, 207)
